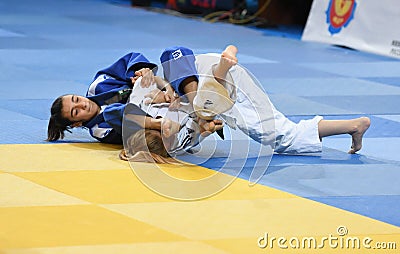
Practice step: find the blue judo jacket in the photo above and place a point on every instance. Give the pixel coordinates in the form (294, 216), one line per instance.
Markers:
(110, 89)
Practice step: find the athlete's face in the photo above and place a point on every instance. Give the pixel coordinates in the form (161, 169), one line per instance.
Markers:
(79, 109)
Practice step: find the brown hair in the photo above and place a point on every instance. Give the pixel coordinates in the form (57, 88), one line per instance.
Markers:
(57, 123)
(146, 146)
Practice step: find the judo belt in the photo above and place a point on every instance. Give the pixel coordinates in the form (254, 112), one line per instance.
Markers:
(122, 95)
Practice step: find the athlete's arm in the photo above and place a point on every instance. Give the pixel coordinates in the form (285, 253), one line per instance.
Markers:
(145, 121)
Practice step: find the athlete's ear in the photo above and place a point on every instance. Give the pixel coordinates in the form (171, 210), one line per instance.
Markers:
(76, 124)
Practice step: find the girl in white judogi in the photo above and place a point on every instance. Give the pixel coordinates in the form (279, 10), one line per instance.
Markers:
(227, 90)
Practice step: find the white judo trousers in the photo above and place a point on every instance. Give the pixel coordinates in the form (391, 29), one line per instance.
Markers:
(255, 115)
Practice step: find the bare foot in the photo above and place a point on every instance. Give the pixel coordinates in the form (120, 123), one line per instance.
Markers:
(362, 125)
(228, 57)
(227, 60)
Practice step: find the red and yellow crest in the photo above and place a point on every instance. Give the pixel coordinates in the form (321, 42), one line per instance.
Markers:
(339, 14)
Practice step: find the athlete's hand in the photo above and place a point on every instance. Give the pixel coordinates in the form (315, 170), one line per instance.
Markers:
(123, 156)
(147, 77)
(157, 96)
(209, 127)
(172, 96)
(175, 103)
(169, 127)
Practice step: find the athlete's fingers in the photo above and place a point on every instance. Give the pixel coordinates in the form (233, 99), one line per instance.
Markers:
(155, 96)
(133, 79)
(218, 121)
(145, 82)
(167, 97)
(148, 98)
(123, 156)
(147, 76)
(219, 126)
(214, 125)
(167, 133)
(211, 126)
(138, 73)
(166, 128)
(141, 72)
(175, 104)
(169, 128)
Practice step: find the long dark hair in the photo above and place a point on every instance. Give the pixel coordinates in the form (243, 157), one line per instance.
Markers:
(57, 123)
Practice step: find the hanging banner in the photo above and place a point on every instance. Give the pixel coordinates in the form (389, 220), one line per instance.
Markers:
(366, 25)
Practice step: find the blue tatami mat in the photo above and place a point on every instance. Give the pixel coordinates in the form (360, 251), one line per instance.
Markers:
(50, 48)
(372, 206)
(372, 104)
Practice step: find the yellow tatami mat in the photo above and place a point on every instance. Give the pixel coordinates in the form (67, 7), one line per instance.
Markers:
(80, 198)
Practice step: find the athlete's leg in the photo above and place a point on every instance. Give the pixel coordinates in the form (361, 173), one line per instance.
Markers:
(354, 127)
(190, 88)
(227, 60)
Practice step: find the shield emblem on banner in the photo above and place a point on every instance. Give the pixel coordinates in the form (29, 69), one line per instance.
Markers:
(339, 14)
